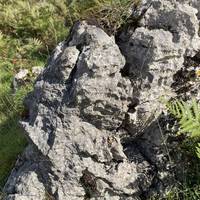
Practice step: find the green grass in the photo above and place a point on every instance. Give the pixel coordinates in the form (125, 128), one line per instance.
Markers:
(12, 143)
(188, 187)
(183, 192)
(13, 57)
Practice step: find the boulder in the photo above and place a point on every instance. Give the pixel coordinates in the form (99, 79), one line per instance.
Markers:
(95, 124)
(77, 105)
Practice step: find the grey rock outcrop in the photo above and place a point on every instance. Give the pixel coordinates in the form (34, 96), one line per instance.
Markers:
(93, 121)
(77, 105)
(153, 52)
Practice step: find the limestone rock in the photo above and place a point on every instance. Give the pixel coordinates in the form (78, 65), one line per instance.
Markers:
(77, 105)
(153, 52)
(25, 76)
(95, 123)
(193, 3)
(36, 70)
(20, 78)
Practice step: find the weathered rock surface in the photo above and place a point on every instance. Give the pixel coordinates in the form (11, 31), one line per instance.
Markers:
(25, 76)
(36, 70)
(94, 126)
(193, 3)
(156, 50)
(20, 78)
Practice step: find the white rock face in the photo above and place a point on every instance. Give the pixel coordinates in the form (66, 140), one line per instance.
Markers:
(36, 70)
(177, 18)
(23, 76)
(93, 126)
(19, 78)
(193, 3)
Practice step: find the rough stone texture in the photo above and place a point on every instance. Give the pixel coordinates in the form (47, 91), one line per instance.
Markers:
(95, 124)
(24, 76)
(193, 3)
(77, 105)
(36, 70)
(20, 78)
(153, 52)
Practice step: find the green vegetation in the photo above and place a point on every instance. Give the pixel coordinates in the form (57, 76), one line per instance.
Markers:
(188, 117)
(110, 15)
(182, 193)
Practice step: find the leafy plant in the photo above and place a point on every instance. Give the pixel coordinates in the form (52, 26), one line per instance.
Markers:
(198, 150)
(188, 115)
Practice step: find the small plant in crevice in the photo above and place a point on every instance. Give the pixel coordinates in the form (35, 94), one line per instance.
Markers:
(187, 115)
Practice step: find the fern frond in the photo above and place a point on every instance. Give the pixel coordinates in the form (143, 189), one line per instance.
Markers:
(196, 109)
(198, 150)
(188, 115)
(35, 42)
(1, 35)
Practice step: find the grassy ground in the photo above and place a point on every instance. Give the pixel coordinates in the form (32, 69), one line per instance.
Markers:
(12, 141)
(29, 30)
